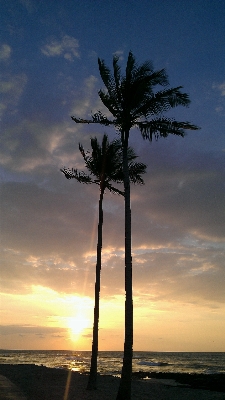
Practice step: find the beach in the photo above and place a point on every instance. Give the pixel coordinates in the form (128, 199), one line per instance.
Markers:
(42, 383)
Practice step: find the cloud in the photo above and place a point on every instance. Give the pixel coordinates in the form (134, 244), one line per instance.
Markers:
(11, 89)
(5, 52)
(35, 142)
(87, 100)
(67, 47)
(220, 87)
(189, 199)
(184, 275)
(50, 238)
(88, 335)
(50, 223)
(29, 330)
(119, 53)
(29, 145)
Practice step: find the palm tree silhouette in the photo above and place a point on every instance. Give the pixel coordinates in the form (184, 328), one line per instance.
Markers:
(105, 165)
(134, 101)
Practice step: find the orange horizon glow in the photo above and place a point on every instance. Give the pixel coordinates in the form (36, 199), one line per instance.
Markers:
(67, 323)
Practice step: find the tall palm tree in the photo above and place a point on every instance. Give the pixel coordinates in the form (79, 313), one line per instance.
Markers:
(136, 100)
(105, 165)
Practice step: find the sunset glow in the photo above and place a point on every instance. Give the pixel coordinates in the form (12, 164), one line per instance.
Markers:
(77, 325)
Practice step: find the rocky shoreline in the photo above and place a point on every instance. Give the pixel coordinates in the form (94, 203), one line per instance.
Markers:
(42, 383)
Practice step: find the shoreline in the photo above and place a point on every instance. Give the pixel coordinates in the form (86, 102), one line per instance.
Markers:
(42, 383)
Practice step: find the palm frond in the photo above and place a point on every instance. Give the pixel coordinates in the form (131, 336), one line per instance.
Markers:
(162, 101)
(131, 155)
(117, 78)
(100, 118)
(74, 174)
(97, 118)
(136, 170)
(150, 77)
(105, 73)
(172, 97)
(82, 121)
(162, 127)
(111, 83)
(142, 70)
(130, 68)
(114, 190)
(109, 102)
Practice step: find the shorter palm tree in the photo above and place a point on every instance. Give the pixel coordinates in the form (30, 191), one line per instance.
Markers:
(105, 165)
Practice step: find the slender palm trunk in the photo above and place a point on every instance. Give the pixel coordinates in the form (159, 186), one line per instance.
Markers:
(92, 382)
(124, 392)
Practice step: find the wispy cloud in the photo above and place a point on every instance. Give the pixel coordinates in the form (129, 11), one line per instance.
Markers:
(220, 87)
(29, 329)
(5, 52)
(66, 47)
(11, 88)
(119, 53)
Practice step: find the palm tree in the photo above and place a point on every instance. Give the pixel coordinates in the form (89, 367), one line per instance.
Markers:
(134, 101)
(105, 166)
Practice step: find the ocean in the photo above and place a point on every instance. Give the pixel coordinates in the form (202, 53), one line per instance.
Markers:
(110, 362)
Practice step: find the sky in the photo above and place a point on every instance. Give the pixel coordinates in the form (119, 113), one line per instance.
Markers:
(48, 56)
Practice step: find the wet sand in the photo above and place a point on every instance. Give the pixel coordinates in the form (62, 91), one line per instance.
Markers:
(41, 383)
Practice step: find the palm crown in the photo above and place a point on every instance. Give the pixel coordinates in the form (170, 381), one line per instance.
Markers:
(105, 165)
(133, 99)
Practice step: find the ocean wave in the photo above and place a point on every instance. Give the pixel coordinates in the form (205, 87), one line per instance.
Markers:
(152, 363)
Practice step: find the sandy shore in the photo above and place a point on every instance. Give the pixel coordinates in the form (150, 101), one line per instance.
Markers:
(41, 383)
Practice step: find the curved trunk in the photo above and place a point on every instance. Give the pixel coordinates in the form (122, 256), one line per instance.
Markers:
(124, 392)
(92, 382)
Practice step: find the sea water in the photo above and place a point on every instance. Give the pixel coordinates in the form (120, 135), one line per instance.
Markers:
(110, 362)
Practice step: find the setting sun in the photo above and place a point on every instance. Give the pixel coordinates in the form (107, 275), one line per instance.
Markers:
(77, 325)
